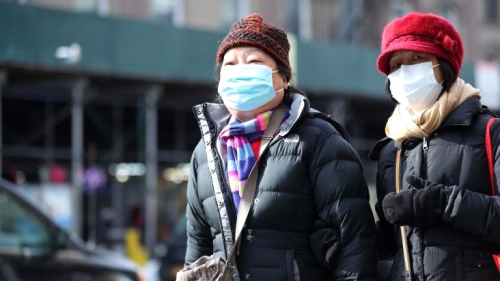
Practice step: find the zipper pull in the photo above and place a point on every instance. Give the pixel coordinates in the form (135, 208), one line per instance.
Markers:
(425, 145)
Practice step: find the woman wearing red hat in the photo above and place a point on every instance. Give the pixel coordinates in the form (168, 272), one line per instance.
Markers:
(438, 206)
(310, 217)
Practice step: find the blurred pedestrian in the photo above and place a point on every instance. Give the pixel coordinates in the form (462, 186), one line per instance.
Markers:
(433, 176)
(310, 182)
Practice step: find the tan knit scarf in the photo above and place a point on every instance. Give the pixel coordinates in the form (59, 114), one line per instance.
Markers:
(405, 123)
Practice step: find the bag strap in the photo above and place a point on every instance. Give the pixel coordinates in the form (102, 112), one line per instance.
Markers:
(489, 154)
(404, 239)
(250, 187)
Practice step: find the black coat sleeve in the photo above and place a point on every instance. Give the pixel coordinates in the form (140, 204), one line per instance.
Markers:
(342, 200)
(474, 212)
(199, 241)
(386, 232)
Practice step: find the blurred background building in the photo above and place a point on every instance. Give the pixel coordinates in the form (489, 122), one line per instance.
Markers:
(96, 95)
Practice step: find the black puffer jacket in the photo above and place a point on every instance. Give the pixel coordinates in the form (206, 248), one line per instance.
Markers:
(309, 173)
(454, 155)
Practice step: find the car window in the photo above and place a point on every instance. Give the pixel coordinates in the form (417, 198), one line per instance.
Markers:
(19, 227)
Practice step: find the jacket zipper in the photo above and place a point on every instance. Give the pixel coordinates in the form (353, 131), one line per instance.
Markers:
(425, 148)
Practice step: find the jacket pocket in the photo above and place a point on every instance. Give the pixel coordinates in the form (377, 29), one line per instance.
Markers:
(277, 264)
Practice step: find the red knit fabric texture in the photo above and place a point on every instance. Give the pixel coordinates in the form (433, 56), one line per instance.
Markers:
(256, 147)
(425, 33)
(253, 31)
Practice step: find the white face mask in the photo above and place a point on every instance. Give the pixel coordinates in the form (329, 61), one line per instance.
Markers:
(415, 86)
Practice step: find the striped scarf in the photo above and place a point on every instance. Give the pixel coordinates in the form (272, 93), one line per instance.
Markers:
(240, 158)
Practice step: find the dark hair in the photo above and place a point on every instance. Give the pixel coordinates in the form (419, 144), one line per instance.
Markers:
(448, 75)
(282, 69)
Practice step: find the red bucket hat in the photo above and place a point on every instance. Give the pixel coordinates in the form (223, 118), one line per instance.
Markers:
(426, 33)
(253, 31)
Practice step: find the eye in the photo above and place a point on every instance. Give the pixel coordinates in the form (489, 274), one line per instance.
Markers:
(394, 67)
(417, 57)
(229, 62)
(256, 61)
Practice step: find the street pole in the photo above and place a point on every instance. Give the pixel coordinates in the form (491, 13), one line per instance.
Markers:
(243, 8)
(3, 80)
(117, 157)
(305, 20)
(77, 93)
(151, 141)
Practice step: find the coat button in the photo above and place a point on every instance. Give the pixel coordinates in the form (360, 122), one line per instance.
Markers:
(228, 239)
(247, 277)
(479, 264)
(256, 200)
(235, 276)
(390, 212)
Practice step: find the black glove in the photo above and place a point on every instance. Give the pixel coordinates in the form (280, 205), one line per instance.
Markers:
(421, 206)
(325, 244)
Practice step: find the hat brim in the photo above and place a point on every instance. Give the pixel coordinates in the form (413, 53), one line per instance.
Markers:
(254, 43)
(415, 46)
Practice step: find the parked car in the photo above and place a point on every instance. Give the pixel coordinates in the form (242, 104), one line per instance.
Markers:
(173, 260)
(34, 248)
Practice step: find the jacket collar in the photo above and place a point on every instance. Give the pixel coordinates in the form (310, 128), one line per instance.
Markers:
(464, 113)
(461, 116)
(219, 116)
(299, 107)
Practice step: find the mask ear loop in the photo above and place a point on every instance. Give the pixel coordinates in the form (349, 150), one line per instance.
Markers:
(434, 78)
(283, 84)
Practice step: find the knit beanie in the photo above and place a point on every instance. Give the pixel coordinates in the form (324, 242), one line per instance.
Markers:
(252, 31)
(425, 33)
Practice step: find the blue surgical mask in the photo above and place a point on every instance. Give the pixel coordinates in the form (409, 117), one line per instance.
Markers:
(246, 87)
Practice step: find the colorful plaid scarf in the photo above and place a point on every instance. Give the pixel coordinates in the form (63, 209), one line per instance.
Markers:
(240, 157)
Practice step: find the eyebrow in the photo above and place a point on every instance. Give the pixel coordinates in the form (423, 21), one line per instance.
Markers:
(412, 53)
(392, 58)
(254, 50)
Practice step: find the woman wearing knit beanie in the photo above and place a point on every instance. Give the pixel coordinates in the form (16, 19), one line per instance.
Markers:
(309, 217)
(437, 191)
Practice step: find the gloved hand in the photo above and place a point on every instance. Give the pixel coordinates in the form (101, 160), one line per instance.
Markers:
(420, 206)
(325, 244)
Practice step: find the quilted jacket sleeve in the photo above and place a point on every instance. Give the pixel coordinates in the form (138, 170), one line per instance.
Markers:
(199, 241)
(386, 233)
(342, 200)
(477, 213)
